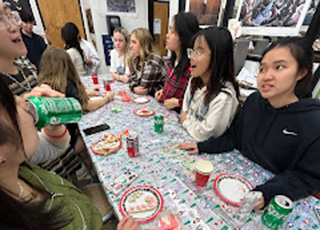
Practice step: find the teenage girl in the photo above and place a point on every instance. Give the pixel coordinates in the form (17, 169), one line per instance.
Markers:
(210, 101)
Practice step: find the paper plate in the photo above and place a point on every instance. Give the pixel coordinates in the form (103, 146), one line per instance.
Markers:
(143, 203)
(102, 147)
(232, 188)
(140, 100)
(143, 112)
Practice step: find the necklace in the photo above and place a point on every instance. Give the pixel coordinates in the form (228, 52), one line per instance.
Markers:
(33, 195)
(16, 81)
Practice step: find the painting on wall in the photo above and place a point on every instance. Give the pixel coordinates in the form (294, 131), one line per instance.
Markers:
(207, 11)
(90, 21)
(272, 17)
(121, 6)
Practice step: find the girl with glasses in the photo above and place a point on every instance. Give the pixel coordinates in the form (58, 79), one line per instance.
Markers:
(183, 27)
(210, 101)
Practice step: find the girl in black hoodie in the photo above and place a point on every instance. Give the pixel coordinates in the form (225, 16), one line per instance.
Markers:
(278, 127)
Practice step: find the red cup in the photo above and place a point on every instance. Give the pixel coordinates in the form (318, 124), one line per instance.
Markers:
(106, 84)
(203, 171)
(95, 79)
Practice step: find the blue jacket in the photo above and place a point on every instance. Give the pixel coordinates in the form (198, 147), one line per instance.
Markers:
(285, 141)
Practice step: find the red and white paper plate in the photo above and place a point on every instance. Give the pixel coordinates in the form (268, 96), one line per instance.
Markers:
(143, 112)
(232, 188)
(103, 147)
(140, 100)
(143, 203)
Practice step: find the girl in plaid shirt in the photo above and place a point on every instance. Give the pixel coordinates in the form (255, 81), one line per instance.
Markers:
(182, 29)
(147, 68)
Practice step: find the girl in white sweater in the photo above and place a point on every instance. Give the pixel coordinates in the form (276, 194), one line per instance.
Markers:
(210, 101)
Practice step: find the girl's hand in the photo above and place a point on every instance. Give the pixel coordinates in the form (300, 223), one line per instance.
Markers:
(182, 116)
(128, 223)
(140, 90)
(260, 203)
(94, 92)
(171, 103)
(89, 61)
(110, 95)
(43, 91)
(192, 148)
(125, 78)
(158, 94)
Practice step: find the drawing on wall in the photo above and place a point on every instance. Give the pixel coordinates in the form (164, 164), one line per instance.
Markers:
(121, 6)
(207, 11)
(272, 17)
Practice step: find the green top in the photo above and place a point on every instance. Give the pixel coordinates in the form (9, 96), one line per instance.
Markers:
(76, 204)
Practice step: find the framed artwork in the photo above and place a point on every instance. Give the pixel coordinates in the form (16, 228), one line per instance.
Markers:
(208, 12)
(272, 17)
(90, 21)
(121, 6)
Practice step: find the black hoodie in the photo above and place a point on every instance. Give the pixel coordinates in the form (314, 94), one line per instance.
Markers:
(285, 141)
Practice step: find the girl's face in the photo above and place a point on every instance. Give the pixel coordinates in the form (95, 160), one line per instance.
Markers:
(278, 76)
(200, 58)
(119, 42)
(11, 45)
(172, 39)
(134, 46)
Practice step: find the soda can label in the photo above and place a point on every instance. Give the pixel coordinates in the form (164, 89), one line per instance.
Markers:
(158, 124)
(54, 111)
(133, 144)
(277, 211)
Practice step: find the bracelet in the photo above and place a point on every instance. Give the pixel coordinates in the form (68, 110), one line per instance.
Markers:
(108, 98)
(56, 137)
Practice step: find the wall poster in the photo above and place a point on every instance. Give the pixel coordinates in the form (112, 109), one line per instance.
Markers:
(207, 11)
(272, 17)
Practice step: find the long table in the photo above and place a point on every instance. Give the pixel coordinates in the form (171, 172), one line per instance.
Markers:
(163, 166)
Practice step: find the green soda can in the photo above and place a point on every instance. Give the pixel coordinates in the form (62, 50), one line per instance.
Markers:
(277, 211)
(158, 124)
(54, 111)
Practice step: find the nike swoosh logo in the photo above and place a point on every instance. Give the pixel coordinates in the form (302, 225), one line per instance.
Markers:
(285, 131)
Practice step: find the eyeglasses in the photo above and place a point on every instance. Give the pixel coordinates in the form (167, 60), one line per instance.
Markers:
(194, 54)
(6, 20)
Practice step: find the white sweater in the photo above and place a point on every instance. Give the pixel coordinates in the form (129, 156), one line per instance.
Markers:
(77, 61)
(219, 116)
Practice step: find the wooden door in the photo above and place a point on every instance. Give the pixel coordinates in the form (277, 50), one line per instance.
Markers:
(56, 13)
(161, 11)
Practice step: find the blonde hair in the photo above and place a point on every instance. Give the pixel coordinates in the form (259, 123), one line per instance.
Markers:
(126, 36)
(56, 68)
(147, 47)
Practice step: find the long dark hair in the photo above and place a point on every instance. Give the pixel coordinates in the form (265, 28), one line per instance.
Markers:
(70, 35)
(15, 214)
(186, 25)
(221, 62)
(302, 51)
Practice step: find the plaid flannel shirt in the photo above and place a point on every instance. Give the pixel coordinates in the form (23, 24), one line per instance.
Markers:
(152, 76)
(175, 88)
